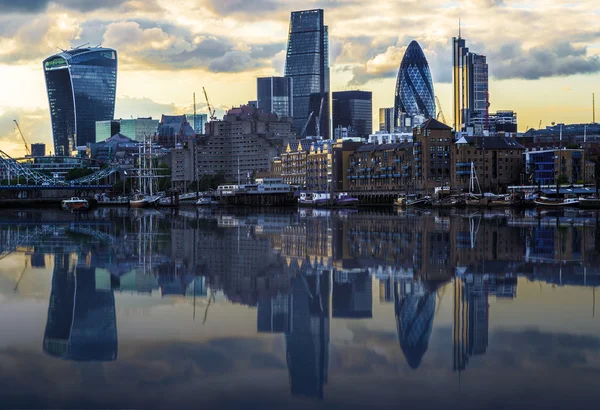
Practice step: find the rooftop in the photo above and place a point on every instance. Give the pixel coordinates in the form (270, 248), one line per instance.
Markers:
(491, 142)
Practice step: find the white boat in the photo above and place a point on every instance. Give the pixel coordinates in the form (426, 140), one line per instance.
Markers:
(206, 201)
(75, 204)
(547, 202)
(317, 199)
(144, 201)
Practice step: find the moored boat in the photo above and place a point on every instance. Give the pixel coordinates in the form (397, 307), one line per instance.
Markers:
(592, 202)
(547, 202)
(317, 199)
(206, 201)
(75, 204)
(343, 199)
(144, 201)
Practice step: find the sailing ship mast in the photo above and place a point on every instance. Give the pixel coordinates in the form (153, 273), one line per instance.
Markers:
(474, 181)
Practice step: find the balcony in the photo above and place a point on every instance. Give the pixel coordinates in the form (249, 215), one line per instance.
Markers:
(463, 164)
(463, 172)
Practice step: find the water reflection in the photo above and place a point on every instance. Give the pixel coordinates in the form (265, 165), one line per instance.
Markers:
(300, 271)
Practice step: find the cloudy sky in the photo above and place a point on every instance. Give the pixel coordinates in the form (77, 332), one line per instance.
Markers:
(544, 55)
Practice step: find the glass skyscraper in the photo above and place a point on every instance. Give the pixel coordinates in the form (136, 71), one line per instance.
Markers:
(81, 85)
(470, 81)
(414, 88)
(274, 94)
(307, 63)
(353, 110)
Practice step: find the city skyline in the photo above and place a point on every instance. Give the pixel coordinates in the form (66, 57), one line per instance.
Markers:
(226, 47)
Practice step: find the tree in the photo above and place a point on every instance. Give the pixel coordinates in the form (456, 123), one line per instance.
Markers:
(75, 173)
(562, 179)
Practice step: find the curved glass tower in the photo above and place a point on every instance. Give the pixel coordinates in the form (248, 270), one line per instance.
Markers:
(81, 85)
(414, 87)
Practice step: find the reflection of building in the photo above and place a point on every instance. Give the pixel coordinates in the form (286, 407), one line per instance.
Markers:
(352, 295)
(415, 309)
(307, 340)
(414, 102)
(307, 63)
(471, 313)
(81, 322)
(81, 85)
(273, 315)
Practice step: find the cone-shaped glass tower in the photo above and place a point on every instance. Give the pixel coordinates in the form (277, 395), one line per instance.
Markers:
(414, 87)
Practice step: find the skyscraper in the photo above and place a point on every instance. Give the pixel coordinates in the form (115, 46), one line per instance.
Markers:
(81, 85)
(415, 98)
(353, 110)
(307, 63)
(386, 120)
(275, 95)
(470, 80)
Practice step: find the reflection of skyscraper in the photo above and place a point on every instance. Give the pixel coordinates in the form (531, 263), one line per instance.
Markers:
(415, 310)
(352, 295)
(273, 315)
(307, 340)
(81, 85)
(81, 321)
(307, 63)
(471, 319)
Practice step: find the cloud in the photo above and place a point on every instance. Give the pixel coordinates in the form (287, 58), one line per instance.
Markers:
(35, 125)
(232, 62)
(23, 6)
(563, 59)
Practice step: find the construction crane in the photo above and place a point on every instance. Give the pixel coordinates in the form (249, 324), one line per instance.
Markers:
(303, 133)
(27, 150)
(211, 110)
(540, 126)
(318, 120)
(440, 113)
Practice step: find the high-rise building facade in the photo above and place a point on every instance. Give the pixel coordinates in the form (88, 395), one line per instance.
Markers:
(415, 98)
(106, 129)
(471, 96)
(307, 63)
(139, 129)
(386, 120)
(38, 150)
(198, 122)
(353, 110)
(275, 95)
(81, 85)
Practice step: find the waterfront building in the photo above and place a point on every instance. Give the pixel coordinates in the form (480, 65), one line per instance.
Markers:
(38, 150)
(139, 129)
(470, 83)
(381, 167)
(503, 123)
(117, 148)
(415, 99)
(319, 171)
(173, 130)
(293, 162)
(353, 110)
(275, 95)
(497, 161)
(386, 120)
(307, 64)
(381, 137)
(431, 155)
(560, 135)
(243, 143)
(341, 151)
(183, 165)
(106, 129)
(547, 165)
(81, 85)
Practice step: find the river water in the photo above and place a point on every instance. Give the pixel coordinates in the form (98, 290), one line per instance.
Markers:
(270, 309)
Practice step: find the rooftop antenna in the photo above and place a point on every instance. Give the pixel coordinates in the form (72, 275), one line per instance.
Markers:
(83, 45)
(459, 27)
(593, 108)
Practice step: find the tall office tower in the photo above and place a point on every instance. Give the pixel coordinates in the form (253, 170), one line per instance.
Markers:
(386, 120)
(81, 85)
(353, 110)
(275, 95)
(307, 63)
(415, 98)
(471, 97)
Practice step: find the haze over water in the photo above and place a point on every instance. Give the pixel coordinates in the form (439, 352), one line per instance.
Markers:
(299, 309)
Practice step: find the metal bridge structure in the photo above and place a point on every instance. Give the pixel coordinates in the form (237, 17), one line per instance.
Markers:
(14, 169)
(15, 236)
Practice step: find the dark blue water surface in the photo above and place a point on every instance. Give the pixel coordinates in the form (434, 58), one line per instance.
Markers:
(272, 309)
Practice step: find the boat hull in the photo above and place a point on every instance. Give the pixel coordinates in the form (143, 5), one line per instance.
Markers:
(548, 204)
(589, 203)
